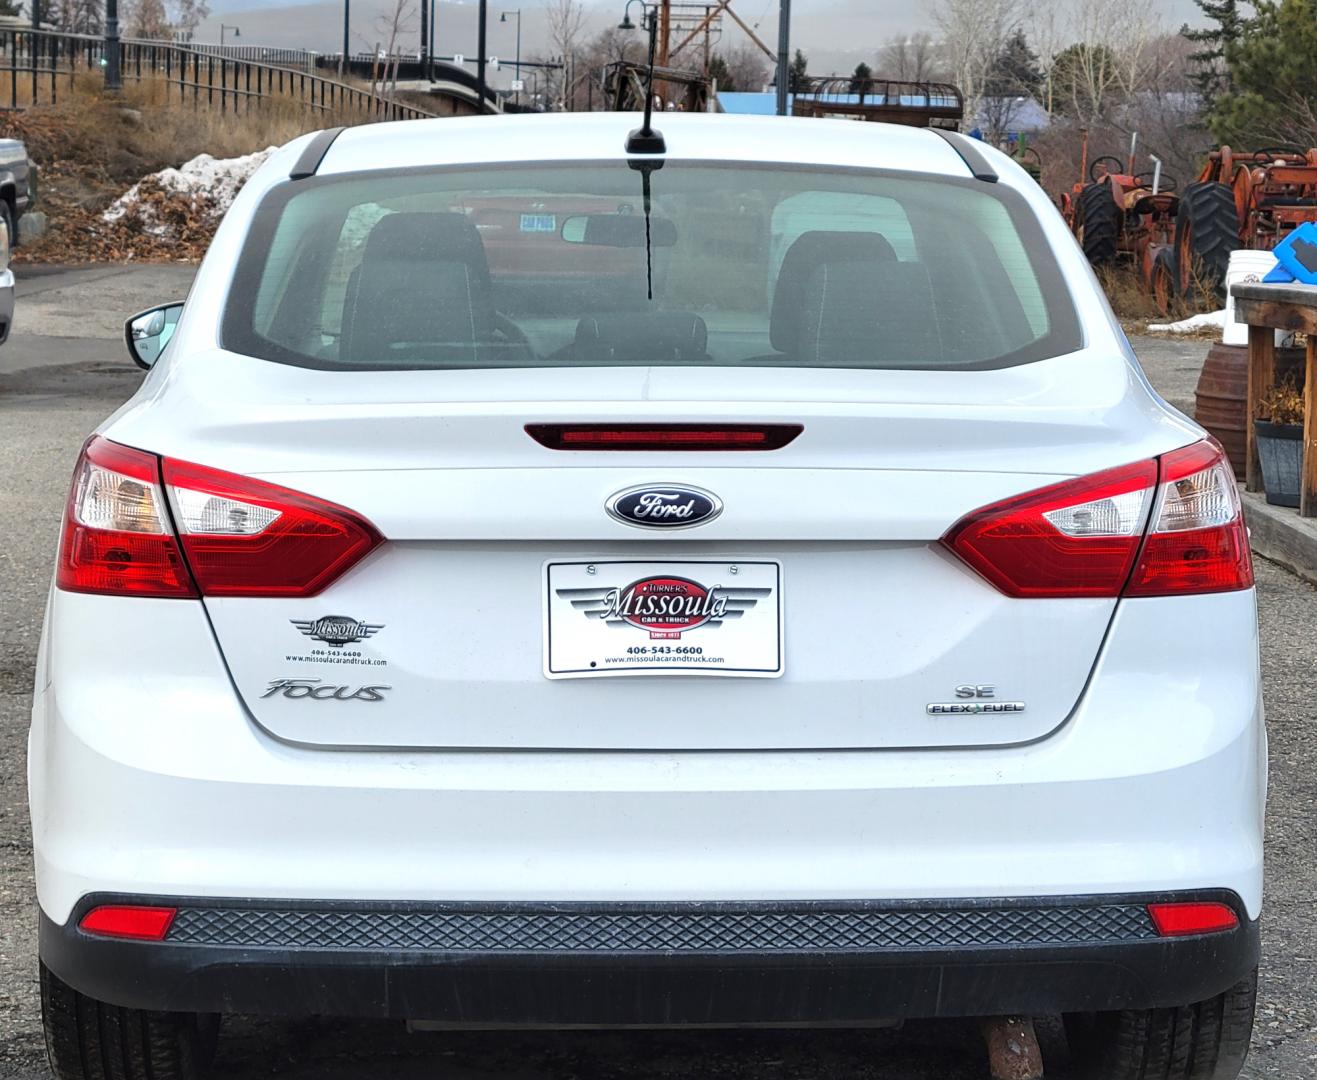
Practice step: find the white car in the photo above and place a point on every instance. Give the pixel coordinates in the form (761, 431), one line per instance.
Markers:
(748, 584)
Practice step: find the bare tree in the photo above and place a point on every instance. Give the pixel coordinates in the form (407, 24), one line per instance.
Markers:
(147, 19)
(76, 16)
(397, 23)
(974, 33)
(911, 59)
(747, 67)
(1109, 60)
(566, 22)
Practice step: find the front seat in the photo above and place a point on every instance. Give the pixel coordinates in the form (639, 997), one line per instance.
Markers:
(843, 299)
(422, 295)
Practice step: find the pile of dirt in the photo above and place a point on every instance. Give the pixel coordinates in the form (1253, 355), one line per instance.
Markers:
(111, 183)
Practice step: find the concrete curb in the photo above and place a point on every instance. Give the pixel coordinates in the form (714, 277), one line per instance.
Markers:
(1279, 534)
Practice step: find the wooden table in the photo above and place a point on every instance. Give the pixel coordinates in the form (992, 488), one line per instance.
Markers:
(1267, 308)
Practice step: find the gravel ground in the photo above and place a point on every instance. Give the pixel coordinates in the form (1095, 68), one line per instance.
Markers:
(64, 370)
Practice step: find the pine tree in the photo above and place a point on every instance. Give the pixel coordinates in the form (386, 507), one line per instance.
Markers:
(1273, 99)
(861, 78)
(1212, 75)
(1015, 71)
(11, 7)
(799, 73)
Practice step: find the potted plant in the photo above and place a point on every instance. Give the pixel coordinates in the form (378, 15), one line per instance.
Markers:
(1280, 442)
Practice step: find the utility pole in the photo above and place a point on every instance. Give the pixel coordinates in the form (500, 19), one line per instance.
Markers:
(665, 32)
(112, 75)
(783, 55)
(480, 53)
(425, 38)
(434, 14)
(343, 63)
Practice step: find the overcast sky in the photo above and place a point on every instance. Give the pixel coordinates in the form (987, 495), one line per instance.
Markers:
(835, 34)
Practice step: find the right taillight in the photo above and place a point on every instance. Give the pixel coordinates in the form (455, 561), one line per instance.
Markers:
(1197, 542)
(1166, 527)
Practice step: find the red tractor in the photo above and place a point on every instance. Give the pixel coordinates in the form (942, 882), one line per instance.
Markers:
(1119, 215)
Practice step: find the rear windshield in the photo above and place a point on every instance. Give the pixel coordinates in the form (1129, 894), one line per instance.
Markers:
(610, 264)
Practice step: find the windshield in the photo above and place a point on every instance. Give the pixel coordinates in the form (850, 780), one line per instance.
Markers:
(667, 264)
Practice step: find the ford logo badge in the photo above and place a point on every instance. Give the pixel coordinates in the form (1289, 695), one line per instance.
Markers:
(659, 506)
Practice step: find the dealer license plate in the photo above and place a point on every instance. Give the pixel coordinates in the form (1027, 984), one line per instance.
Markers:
(539, 223)
(676, 617)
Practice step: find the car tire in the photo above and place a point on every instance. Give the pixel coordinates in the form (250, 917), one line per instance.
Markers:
(1204, 1041)
(88, 1039)
(1098, 221)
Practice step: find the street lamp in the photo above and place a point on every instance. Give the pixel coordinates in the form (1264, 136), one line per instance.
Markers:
(504, 18)
(225, 26)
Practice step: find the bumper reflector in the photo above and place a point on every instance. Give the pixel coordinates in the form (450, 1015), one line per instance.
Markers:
(1177, 920)
(125, 921)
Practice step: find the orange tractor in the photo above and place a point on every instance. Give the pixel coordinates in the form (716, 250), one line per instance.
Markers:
(1122, 215)
(1181, 240)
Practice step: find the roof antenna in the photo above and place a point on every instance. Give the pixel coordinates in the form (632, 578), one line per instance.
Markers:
(645, 140)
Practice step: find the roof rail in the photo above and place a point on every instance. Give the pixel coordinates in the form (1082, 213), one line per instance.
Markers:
(969, 154)
(314, 153)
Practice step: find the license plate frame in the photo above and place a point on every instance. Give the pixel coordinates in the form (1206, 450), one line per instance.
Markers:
(734, 608)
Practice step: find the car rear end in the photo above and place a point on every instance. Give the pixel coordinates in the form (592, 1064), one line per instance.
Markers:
(935, 693)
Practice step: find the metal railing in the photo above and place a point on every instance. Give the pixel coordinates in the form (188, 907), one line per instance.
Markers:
(37, 64)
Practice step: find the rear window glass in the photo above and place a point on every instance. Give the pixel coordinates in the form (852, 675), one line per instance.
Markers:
(606, 264)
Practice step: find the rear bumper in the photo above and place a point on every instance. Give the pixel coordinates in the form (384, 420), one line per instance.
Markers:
(563, 965)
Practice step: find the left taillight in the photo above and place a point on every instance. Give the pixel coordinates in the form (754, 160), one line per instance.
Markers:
(219, 534)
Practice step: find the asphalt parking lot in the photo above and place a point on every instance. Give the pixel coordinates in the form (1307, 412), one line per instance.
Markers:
(65, 369)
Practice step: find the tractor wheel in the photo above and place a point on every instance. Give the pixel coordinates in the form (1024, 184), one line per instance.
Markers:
(1164, 277)
(1206, 232)
(1097, 223)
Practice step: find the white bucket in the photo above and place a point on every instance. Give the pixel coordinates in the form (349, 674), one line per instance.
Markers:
(1247, 266)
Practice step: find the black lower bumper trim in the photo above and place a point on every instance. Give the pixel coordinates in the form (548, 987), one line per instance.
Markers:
(655, 964)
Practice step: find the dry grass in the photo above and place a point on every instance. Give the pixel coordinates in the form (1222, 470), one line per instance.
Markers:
(1135, 307)
(92, 146)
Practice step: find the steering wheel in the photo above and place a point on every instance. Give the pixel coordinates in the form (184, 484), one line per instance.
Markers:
(1264, 155)
(1030, 154)
(1092, 169)
(1167, 181)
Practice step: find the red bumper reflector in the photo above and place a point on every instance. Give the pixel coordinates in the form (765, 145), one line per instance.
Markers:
(127, 921)
(1176, 920)
(664, 436)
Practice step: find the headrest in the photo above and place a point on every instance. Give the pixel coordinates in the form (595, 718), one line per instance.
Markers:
(808, 254)
(427, 238)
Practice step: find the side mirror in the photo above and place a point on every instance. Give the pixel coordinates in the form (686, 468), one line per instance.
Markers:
(148, 332)
(619, 231)
(6, 287)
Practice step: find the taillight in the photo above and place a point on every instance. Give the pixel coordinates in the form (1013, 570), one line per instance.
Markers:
(1197, 542)
(234, 536)
(1166, 527)
(244, 537)
(117, 538)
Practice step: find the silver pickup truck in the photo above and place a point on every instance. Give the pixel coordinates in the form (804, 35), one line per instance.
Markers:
(16, 195)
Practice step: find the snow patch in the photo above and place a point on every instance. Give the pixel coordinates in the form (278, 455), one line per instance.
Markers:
(1215, 320)
(209, 184)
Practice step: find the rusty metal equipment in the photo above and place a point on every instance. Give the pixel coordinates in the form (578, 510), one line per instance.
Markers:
(1243, 200)
(1119, 215)
(889, 101)
(684, 91)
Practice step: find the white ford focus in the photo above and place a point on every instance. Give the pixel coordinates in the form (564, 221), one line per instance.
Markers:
(751, 583)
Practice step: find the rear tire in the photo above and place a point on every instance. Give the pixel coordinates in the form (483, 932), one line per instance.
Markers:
(1164, 277)
(1206, 232)
(1204, 1041)
(90, 1040)
(1097, 218)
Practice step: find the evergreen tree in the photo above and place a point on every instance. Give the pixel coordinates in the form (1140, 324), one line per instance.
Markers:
(1211, 75)
(721, 75)
(1270, 67)
(861, 79)
(1015, 71)
(796, 82)
(10, 7)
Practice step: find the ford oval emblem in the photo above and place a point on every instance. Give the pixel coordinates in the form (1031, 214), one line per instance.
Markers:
(660, 506)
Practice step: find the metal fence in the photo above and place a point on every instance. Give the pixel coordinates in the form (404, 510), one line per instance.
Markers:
(37, 65)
